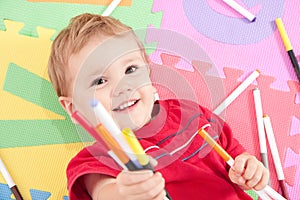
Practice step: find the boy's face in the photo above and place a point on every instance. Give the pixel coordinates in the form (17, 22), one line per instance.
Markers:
(116, 73)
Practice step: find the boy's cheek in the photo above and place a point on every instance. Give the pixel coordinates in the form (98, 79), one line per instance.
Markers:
(81, 103)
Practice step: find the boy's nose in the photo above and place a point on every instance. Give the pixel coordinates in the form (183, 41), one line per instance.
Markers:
(124, 86)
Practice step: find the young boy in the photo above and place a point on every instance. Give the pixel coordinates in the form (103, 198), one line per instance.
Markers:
(99, 57)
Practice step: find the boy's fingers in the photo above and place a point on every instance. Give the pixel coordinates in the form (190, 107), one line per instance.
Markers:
(239, 164)
(244, 161)
(263, 181)
(251, 168)
(255, 179)
(255, 175)
(148, 189)
(237, 178)
(133, 177)
(154, 188)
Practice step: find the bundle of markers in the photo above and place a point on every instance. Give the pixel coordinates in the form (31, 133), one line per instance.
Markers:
(124, 147)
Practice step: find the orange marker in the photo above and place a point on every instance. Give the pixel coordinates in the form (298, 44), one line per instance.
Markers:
(226, 157)
(265, 193)
(115, 147)
(100, 133)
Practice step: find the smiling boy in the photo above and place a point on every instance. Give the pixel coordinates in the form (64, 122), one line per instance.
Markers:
(99, 57)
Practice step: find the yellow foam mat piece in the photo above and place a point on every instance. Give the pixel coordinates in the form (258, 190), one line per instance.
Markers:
(31, 54)
(96, 2)
(40, 168)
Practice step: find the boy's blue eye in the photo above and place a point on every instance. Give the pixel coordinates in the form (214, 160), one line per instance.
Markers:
(130, 69)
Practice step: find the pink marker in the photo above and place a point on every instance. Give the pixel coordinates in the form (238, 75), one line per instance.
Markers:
(86, 125)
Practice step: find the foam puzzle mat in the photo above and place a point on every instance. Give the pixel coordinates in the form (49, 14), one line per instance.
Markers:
(37, 138)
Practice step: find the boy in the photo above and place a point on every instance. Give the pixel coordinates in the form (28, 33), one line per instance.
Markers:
(99, 57)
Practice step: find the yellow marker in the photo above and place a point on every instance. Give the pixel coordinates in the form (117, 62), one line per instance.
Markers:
(135, 146)
(139, 151)
(288, 46)
(283, 34)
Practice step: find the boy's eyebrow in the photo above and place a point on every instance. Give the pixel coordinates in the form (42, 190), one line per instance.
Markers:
(95, 73)
(128, 60)
(99, 69)
(138, 56)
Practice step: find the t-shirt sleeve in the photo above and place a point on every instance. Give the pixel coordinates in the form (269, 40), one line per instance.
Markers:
(90, 160)
(226, 139)
(229, 143)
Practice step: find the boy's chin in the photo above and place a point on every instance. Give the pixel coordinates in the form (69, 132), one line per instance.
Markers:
(133, 125)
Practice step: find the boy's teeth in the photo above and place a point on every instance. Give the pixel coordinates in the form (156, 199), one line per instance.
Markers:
(125, 105)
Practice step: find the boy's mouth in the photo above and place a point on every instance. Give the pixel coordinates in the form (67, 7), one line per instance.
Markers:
(125, 105)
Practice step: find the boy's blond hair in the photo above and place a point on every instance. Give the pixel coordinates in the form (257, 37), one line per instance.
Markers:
(73, 38)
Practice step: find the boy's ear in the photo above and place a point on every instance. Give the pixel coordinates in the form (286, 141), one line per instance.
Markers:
(66, 103)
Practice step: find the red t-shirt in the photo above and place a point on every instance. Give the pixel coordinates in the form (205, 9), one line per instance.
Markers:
(191, 169)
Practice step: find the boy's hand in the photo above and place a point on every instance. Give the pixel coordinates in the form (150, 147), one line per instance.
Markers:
(141, 185)
(248, 172)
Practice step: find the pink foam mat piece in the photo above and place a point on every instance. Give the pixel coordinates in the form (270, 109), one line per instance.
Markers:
(292, 160)
(295, 126)
(257, 55)
(280, 91)
(278, 104)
